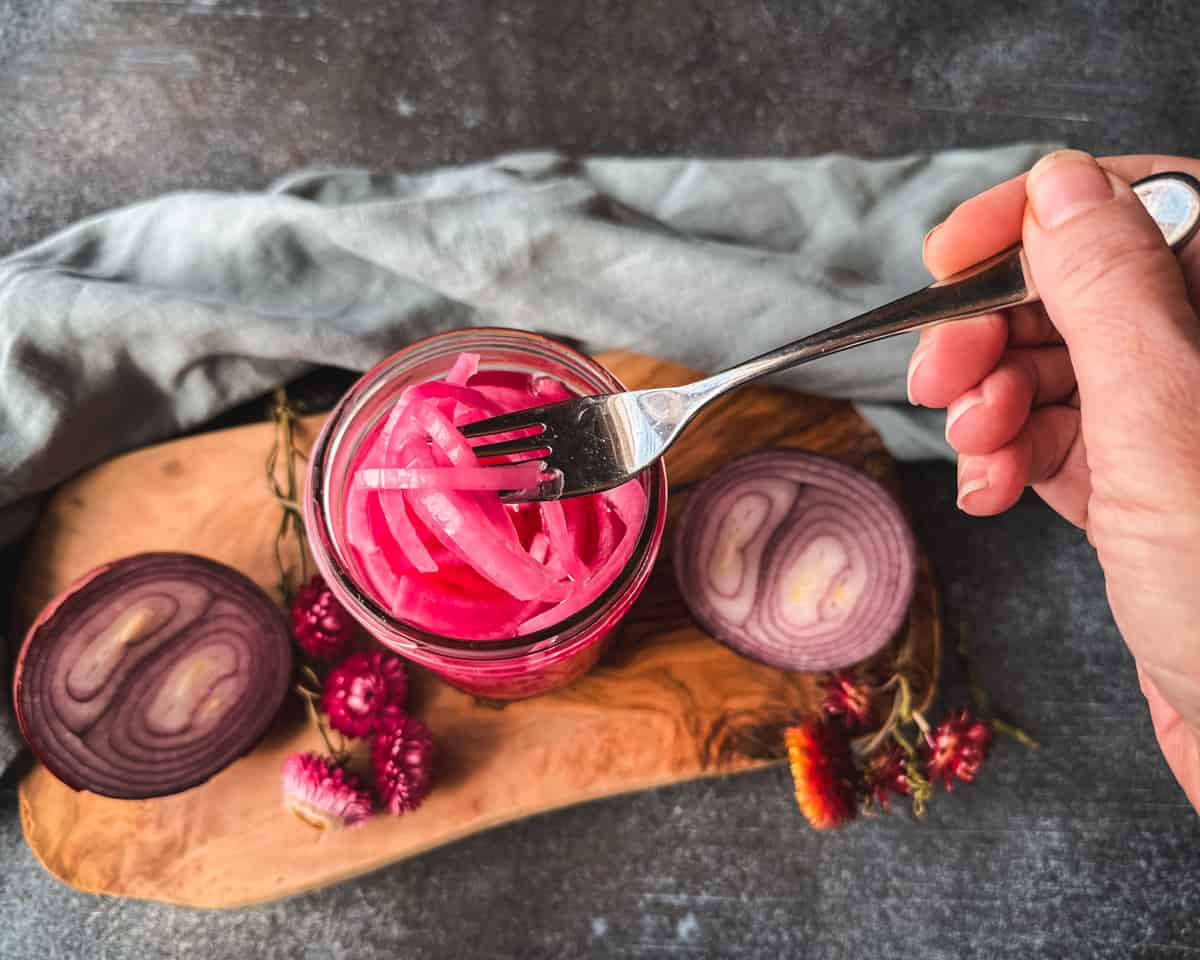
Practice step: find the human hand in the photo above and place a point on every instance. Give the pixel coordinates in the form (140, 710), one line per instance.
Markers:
(1092, 397)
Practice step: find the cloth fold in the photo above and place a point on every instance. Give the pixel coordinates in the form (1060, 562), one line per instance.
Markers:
(146, 321)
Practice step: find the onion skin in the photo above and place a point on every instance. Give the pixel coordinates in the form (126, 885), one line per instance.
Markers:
(151, 674)
(795, 560)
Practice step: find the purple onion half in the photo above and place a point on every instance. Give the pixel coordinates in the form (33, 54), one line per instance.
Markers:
(151, 674)
(795, 560)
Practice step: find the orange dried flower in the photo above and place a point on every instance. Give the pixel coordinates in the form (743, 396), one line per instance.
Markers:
(823, 772)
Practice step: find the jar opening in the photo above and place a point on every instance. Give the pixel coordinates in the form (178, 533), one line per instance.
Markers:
(351, 421)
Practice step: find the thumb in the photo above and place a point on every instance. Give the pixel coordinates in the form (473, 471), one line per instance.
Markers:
(1116, 293)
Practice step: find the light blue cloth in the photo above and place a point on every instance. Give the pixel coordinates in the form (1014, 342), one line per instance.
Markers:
(140, 323)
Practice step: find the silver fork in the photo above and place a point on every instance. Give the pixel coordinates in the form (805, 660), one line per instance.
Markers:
(594, 443)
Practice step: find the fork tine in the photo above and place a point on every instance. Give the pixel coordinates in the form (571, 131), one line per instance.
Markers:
(505, 447)
(504, 423)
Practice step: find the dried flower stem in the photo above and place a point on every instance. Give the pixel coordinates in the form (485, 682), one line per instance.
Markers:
(287, 493)
(920, 789)
(310, 692)
(1016, 733)
(902, 714)
(291, 525)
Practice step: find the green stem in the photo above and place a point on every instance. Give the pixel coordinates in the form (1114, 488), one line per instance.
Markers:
(905, 744)
(920, 790)
(1016, 733)
(339, 753)
(902, 713)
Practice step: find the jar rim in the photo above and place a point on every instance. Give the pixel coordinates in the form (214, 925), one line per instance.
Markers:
(368, 610)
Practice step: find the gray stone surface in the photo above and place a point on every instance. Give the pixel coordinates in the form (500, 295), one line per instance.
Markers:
(1084, 849)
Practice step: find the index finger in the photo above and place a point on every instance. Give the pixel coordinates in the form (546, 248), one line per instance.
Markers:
(976, 229)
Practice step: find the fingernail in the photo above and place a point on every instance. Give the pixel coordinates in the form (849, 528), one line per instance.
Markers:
(960, 406)
(918, 358)
(972, 477)
(1065, 184)
(928, 236)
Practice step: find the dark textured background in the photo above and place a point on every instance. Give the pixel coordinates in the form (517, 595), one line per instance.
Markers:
(1084, 849)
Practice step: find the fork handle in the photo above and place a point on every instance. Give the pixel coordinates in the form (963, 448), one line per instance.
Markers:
(1172, 199)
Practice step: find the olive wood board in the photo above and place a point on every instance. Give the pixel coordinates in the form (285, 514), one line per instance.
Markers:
(665, 704)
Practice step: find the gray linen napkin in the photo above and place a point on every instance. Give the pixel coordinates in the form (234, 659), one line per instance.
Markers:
(142, 322)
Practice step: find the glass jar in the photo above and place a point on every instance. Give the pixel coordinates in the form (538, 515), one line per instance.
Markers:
(494, 669)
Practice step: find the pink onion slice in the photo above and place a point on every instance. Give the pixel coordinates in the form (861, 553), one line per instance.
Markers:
(364, 536)
(467, 532)
(151, 674)
(467, 397)
(562, 544)
(629, 503)
(549, 390)
(482, 611)
(464, 368)
(506, 388)
(518, 476)
(374, 554)
(539, 547)
(476, 530)
(796, 560)
(465, 365)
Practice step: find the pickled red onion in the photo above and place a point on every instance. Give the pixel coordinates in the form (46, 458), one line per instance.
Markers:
(467, 565)
(466, 365)
(506, 388)
(367, 540)
(512, 476)
(539, 546)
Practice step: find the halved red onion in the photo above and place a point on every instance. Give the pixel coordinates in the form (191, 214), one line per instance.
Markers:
(151, 674)
(795, 560)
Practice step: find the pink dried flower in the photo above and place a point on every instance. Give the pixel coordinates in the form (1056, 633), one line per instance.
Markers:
(320, 624)
(364, 694)
(403, 762)
(321, 796)
(847, 695)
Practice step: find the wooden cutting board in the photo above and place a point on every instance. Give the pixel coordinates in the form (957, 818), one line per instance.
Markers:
(666, 704)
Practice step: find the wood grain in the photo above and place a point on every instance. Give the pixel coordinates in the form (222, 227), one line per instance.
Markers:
(666, 703)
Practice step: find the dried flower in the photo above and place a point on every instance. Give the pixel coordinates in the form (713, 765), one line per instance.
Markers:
(823, 772)
(321, 796)
(848, 696)
(956, 748)
(403, 762)
(885, 773)
(320, 623)
(365, 693)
